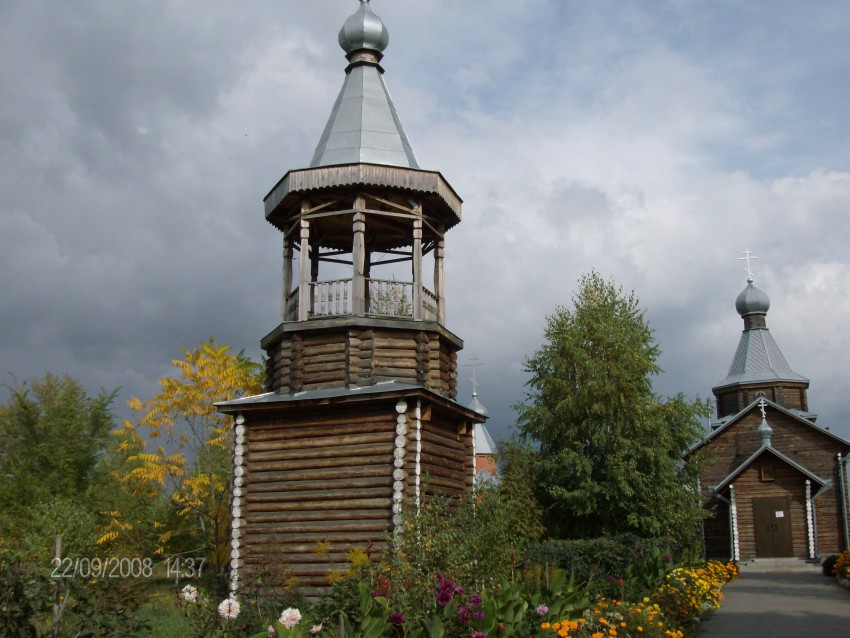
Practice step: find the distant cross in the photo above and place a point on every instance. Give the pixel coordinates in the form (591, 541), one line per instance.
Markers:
(748, 256)
(474, 362)
(762, 406)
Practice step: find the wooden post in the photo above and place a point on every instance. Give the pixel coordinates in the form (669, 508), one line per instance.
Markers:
(417, 264)
(303, 282)
(439, 277)
(287, 276)
(358, 256)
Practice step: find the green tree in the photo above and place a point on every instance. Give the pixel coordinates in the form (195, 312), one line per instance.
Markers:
(604, 450)
(52, 435)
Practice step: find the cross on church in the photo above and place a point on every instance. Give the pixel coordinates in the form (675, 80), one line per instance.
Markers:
(474, 362)
(748, 255)
(762, 406)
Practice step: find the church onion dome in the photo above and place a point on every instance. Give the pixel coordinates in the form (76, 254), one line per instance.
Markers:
(363, 30)
(752, 301)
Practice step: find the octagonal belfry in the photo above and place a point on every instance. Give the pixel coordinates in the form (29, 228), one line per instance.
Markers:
(363, 328)
(359, 418)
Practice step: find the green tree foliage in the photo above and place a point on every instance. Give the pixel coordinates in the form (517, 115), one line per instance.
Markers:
(603, 449)
(51, 434)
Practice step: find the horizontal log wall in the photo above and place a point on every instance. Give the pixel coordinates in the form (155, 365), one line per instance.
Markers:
(316, 488)
(340, 357)
(716, 531)
(734, 399)
(320, 484)
(447, 456)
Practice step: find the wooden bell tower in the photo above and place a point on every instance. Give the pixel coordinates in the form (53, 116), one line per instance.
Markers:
(361, 373)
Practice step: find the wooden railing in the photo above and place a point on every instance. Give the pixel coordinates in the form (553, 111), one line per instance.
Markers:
(430, 305)
(390, 298)
(330, 298)
(290, 310)
(386, 298)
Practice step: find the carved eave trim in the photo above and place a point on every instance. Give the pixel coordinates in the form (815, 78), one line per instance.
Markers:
(303, 181)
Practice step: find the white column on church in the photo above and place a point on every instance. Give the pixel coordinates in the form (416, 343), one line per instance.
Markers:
(810, 523)
(733, 508)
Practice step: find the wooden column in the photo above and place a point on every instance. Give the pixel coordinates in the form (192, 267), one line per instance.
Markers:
(417, 264)
(439, 277)
(287, 276)
(303, 281)
(358, 257)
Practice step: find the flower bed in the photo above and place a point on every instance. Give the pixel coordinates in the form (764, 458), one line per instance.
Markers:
(685, 596)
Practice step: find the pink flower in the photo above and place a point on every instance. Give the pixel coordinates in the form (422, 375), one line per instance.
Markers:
(290, 617)
(189, 594)
(228, 608)
(542, 609)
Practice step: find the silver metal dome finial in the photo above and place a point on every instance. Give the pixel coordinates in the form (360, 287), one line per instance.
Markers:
(751, 300)
(363, 30)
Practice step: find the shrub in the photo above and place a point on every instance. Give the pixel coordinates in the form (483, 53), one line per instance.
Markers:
(841, 569)
(23, 594)
(828, 564)
(473, 540)
(603, 560)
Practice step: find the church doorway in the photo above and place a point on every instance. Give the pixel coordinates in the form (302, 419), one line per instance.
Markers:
(772, 527)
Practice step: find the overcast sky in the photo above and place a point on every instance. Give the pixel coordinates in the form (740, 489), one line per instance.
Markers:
(653, 141)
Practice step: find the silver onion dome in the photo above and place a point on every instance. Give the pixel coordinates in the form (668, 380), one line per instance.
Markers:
(752, 301)
(363, 30)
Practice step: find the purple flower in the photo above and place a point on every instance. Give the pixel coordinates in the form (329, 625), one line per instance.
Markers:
(463, 615)
(474, 600)
(397, 618)
(444, 597)
(478, 615)
(542, 609)
(374, 594)
(479, 634)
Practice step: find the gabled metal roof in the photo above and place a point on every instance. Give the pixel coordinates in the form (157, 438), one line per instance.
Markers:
(768, 449)
(728, 422)
(483, 441)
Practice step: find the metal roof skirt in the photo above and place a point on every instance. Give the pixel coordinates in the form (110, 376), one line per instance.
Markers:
(758, 359)
(325, 396)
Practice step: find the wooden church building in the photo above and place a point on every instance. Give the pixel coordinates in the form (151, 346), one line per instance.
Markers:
(361, 380)
(773, 479)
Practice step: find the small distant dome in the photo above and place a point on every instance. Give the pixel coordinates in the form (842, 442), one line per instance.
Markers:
(363, 30)
(751, 301)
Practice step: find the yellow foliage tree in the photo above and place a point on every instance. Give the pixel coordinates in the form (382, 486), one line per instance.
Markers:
(192, 461)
